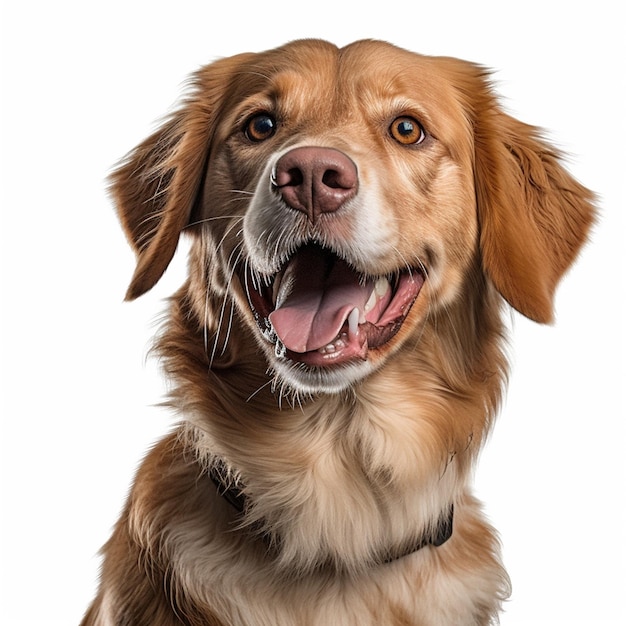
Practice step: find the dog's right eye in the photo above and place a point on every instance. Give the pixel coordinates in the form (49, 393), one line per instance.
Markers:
(260, 127)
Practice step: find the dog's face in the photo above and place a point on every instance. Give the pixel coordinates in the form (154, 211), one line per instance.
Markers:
(349, 180)
(343, 198)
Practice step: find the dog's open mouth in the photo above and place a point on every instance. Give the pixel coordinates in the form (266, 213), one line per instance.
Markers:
(319, 311)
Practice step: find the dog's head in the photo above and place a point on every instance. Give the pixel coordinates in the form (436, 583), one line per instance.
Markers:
(343, 197)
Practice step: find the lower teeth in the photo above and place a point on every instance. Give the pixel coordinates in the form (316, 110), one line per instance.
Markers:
(337, 345)
(279, 349)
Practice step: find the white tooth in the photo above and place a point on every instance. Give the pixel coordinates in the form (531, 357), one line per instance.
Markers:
(369, 305)
(353, 322)
(284, 289)
(381, 286)
(279, 349)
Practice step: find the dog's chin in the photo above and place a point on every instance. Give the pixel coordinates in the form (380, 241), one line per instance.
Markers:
(293, 377)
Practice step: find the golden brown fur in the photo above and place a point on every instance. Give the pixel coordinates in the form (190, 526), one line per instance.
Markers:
(340, 463)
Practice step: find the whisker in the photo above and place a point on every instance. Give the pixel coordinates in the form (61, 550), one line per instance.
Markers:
(247, 272)
(254, 393)
(205, 331)
(212, 218)
(229, 327)
(226, 233)
(408, 266)
(225, 299)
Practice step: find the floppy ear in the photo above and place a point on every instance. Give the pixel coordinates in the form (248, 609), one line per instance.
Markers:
(157, 184)
(533, 216)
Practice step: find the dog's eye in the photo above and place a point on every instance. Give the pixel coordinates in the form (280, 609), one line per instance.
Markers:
(407, 131)
(260, 127)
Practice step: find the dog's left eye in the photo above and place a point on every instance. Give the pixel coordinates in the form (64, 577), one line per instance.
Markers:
(407, 130)
(260, 127)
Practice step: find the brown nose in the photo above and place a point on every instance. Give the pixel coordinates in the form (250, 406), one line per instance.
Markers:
(315, 180)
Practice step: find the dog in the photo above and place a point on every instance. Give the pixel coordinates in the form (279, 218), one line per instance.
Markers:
(360, 220)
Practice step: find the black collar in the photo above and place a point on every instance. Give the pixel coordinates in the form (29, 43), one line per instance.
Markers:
(232, 491)
(227, 485)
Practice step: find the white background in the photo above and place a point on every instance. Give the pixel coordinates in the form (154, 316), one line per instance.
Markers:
(83, 82)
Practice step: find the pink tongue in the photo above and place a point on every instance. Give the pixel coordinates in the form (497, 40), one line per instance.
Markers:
(323, 292)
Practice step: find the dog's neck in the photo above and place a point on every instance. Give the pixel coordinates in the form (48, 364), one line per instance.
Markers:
(233, 491)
